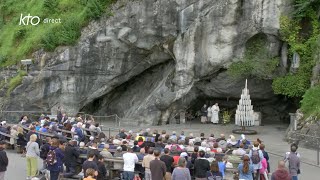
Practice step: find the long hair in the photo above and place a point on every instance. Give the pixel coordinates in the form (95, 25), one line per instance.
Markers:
(246, 162)
(214, 166)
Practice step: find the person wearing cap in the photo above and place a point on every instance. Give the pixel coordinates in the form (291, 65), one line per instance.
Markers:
(3, 160)
(71, 155)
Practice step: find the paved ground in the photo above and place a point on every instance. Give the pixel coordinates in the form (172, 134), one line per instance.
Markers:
(271, 135)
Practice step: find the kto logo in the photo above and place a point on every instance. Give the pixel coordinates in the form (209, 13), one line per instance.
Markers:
(26, 20)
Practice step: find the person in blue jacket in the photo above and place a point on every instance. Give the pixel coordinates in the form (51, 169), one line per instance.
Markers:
(57, 167)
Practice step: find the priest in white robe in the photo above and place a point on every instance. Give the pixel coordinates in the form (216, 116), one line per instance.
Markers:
(215, 113)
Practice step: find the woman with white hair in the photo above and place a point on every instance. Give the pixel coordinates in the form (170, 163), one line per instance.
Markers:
(32, 153)
(181, 172)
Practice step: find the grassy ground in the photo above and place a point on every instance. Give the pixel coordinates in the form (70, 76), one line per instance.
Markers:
(19, 41)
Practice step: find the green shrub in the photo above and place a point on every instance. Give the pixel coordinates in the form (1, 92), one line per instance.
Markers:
(15, 82)
(310, 104)
(17, 42)
(257, 61)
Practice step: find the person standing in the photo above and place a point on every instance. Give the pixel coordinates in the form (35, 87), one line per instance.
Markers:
(204, 113)
(215, 113)
(245, 169)
(281, 173)
(71, 155)
(146, 164)
(129, 159)
(294, 162)
(209, 110)
(54, 159)
(3, 160)
(32, 153)
(201, 166)
(256, 157)
(157, 167)
(181, 172)
(168, 160)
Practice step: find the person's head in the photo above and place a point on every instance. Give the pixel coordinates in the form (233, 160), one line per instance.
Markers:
(196, 149)
(246, 162)
(91, 138)
(190, 143)
(100, 158)
(91, 155)
(163, 132)
(182, 133)
(55, 142)
(201, 134)
(182, 162)
(142, 151)
(2, 144)
(262, 146)
(81, 144)
(156, 153)
(281, 165)
(294, 148)
(218, 158)
(122, 130)
(166, 151)
(33, 138)
(256, 144)
(140, 139)
(241, 145)
(32, 128)
(106, 146)
(215, 145)
(90, 172)
(150, 151)
(204, 105)
(201, 153)
(214, 167)
(135, 143)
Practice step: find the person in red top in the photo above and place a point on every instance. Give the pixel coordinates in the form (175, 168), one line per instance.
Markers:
(281, 173)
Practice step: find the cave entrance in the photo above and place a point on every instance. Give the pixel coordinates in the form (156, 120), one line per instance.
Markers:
(273, 111)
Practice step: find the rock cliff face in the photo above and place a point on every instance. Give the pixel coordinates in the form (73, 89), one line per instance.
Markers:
(151, 59)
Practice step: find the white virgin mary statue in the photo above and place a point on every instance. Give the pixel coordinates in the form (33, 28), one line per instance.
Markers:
(215, 114)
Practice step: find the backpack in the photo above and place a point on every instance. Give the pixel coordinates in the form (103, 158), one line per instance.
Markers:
(255, 157)
(51, 158)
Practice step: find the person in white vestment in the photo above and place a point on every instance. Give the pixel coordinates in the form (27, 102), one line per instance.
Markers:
(215, 113)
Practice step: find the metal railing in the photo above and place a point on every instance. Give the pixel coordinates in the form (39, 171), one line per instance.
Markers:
(297, 137)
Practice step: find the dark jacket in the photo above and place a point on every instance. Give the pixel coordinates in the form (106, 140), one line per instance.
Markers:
(44, 150)
(201, 166)
(3, 160)
(102, 171)
(71, 155)
(59, 156)
(21, 140)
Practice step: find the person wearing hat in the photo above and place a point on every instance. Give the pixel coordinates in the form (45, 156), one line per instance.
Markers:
(71, 155)
(3, 160)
